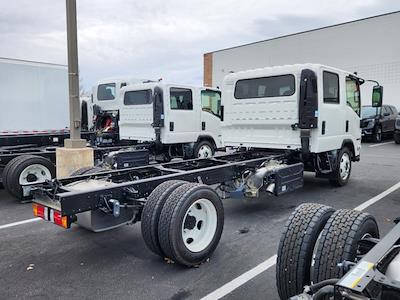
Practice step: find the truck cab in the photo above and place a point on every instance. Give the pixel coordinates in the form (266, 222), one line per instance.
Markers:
(311, 109)
(105, 107)
(183, 121)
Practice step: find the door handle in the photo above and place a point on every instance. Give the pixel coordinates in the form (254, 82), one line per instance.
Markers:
(203, 125)
(171, 126)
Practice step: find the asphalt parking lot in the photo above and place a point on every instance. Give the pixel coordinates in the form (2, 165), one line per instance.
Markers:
(41, 260)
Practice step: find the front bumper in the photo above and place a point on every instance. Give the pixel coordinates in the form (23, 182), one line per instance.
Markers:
(367, 132)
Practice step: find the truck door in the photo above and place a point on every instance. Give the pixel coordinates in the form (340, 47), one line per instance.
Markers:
(211, 115)
(332, 111)
(386, 119)
(182, 116)
(136, 116)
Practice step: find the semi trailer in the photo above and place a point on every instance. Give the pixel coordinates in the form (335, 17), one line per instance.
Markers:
(282, 120)
(135, 122)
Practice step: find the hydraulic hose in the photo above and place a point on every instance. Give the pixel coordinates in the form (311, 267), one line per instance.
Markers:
(317, 286)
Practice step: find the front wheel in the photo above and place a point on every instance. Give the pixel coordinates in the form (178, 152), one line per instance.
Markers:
(342, 171)
(203, 149)
(377, 137)
(397, 137)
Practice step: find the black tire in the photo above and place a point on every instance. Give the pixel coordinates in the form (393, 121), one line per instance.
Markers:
(7, 169)
(397, 137)
(17, 168)
(337, 179)
(339, 241)
(377, 136)
(87, 171)
(151, 214)
(201, 145)
(172, 219)
(296, 247)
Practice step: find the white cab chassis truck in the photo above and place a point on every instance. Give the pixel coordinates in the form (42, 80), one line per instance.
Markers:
(283, 121)
(181, 121)
(310, 109)
(172, 120)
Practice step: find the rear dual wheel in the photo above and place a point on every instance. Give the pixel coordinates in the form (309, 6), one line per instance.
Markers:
(26, 169)
(183, 222)
(315, 240)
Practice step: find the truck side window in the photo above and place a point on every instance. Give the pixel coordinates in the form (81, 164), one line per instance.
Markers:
(331, 87)
(272, 86)
(353, 94)
(211, 102)
(137, 97)
(181, 99)
(106, 91)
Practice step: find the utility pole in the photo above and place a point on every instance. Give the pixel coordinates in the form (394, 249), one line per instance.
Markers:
(75, 140)
(75, 155)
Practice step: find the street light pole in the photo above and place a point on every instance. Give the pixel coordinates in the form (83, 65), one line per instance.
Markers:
(74, 155)
(75, 140)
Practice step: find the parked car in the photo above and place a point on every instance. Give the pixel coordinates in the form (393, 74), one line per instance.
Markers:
(378, 121)
(397, 130)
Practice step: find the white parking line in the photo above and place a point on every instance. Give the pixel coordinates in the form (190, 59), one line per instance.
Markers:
(270, 262)
(19, 223)
(242, 279)
(380, 144)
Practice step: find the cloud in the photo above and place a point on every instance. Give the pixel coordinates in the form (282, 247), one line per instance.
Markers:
(154, 38)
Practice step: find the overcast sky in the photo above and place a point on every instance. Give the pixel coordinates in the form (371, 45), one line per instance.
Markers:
(161, 39)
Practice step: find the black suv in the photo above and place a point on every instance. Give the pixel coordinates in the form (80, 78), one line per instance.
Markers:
(397, 131)
(378, 121)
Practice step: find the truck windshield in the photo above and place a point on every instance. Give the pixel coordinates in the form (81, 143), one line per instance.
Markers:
(106, 91)
(369, 112)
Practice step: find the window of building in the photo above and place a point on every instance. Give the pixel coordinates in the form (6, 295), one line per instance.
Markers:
(331, 87)
(106, 91)
(274, 86)
(137, 97)
(181, 99)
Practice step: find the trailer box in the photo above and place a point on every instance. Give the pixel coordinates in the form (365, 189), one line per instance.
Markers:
(34, 97)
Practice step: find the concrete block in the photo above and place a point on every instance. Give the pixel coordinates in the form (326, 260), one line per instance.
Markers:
(69, 160)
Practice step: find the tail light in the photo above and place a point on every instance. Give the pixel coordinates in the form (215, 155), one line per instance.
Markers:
(51, 215)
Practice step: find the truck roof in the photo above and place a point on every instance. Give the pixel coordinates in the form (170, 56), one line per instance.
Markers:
(280, 70)
(152, 84)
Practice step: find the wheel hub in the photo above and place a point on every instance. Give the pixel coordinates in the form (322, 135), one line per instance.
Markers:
(199, 225)
(344, 166)
(204, 152)
(34, 173)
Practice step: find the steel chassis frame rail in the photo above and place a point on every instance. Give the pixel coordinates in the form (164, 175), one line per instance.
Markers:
(134, 184)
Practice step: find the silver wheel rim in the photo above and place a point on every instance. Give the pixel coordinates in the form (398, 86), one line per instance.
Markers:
(205, 151)
(199, 225)
(344, 166)
(378, 134)
(35, 173)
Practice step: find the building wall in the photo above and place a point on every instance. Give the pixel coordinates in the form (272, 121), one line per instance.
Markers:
(370, 47)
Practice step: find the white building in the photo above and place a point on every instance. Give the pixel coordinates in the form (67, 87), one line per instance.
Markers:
(370, 47)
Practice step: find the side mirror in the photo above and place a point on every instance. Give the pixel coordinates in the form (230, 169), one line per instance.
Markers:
(377, 94)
